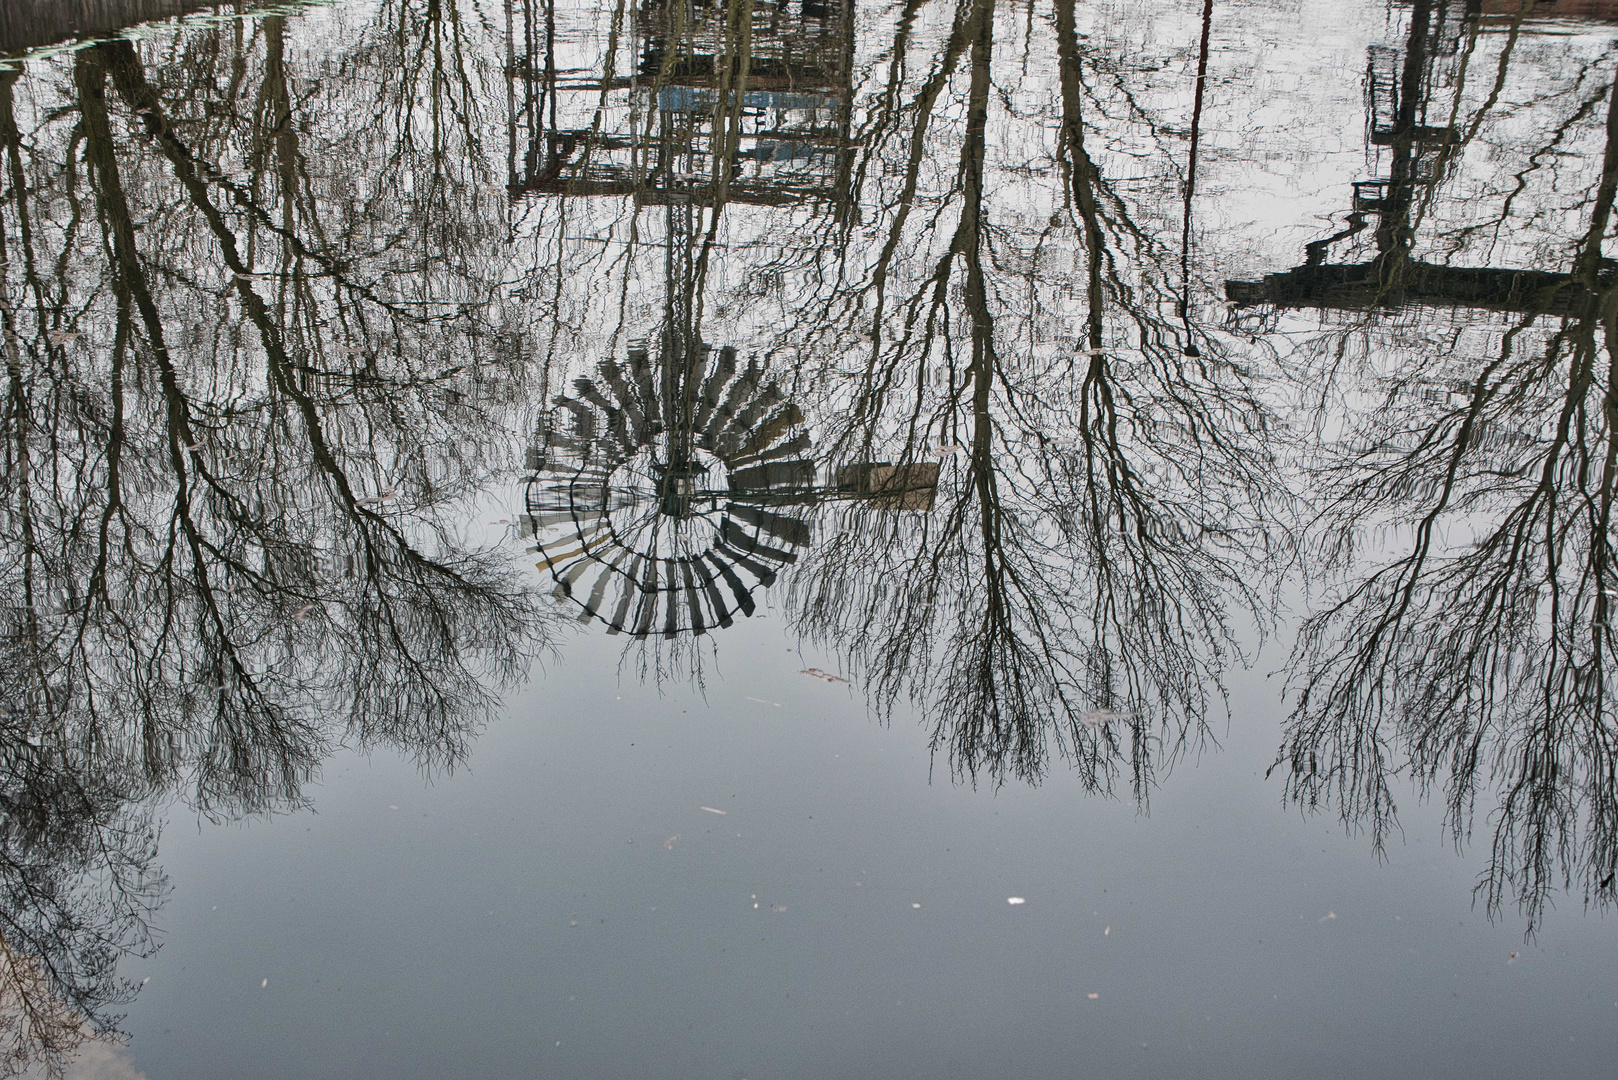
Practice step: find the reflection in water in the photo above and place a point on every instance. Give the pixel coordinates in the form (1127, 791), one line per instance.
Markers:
(1469, 646)
(226, 544)
(1022, 529)
(1107, 488)
(906, 312)
(653, 506)
(78, 885)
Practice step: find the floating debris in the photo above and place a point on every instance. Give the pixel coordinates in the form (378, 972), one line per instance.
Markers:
(668, 845)
(711, 810)
(761, 701)
(816, 673)
(1106, 716)
(1093, 997)
(1015, 900)
(263, 983)
(1328, 915)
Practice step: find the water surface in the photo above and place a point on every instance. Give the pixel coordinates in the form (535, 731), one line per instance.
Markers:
(752, 540)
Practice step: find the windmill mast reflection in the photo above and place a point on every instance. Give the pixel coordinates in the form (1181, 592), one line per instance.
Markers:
(668, 488)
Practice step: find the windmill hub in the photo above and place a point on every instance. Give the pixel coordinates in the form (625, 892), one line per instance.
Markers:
(681, 486)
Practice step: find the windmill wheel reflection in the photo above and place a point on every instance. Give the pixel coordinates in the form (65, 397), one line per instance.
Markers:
(658, 496)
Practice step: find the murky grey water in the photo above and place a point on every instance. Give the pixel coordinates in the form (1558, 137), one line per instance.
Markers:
(751, 540)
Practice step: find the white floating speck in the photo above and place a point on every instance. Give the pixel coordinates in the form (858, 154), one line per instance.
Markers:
(711, 810)
(263, 983)
(915, 905)
(1015, 900)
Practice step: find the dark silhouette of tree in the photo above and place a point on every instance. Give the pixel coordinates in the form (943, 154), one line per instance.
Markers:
(256, 374)
(1467, 506)
(1107, 489)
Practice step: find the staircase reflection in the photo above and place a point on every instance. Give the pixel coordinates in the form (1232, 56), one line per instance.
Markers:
(1416, 155)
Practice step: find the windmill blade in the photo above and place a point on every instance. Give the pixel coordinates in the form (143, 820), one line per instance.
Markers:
(742, 424)
(789, 530)
(617, 423)
(584, 420)
(627, 592)
(743, 593)
(749, 544)
(761, 573)
(710, 588)
(765, 434)
(608, 574)
(628, 400)
(648, 599)
(713, 385)
(741, 391)
(772, 477)
(793, 446)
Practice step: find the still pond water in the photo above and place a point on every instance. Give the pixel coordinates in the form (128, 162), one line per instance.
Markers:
(652, 538)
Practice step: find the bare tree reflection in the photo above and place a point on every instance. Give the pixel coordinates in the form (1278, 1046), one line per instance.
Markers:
(1103, 495)
(78, 884)
(251, 395)
(1468, 649)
